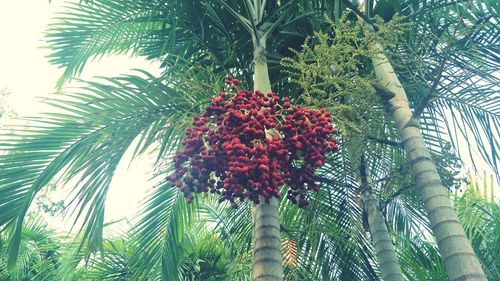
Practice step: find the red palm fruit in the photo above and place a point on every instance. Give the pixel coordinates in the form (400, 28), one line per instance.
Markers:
(229, 142)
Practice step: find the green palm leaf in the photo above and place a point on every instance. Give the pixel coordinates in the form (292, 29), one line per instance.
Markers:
(39, 255)
(448, 65)
(86, 139)
(87, 31)
(159, 233)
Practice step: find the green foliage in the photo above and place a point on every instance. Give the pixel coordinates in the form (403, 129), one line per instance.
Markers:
(419, 256)
(197, 43)
(101, 28)
(168, 32)
(208, 258)
(420, 259)
(481, 221)
(39, 253)
(160, 233)
(331, 71)
(87, 135)
(200, 254)
(448, 64)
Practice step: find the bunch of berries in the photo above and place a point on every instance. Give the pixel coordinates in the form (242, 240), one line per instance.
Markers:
(251, 144)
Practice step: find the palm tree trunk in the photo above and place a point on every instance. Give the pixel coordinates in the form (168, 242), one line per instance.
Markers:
(267, 258)
(455, 249)
(386, 253)
(381, 239)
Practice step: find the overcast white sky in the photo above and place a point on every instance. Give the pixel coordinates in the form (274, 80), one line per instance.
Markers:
(25, 70)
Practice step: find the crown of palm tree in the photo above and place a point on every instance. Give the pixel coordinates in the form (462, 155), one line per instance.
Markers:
(447, 62)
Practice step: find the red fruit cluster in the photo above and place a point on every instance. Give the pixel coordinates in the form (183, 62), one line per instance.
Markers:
(250, 145)
(307, 137)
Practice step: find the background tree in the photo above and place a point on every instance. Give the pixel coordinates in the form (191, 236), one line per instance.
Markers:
(39, 253)
(5, 109)
(316, 85)
(456, 251)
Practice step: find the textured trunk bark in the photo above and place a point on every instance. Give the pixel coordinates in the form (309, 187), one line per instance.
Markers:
(386, 253)
(455, 249)
(267, 258)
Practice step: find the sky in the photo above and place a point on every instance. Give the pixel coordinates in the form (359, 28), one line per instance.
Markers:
(25, 71)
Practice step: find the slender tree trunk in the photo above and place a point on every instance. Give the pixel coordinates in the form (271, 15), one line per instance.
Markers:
(381, 239)
(386, 253)
(455, 249)
(267, 258)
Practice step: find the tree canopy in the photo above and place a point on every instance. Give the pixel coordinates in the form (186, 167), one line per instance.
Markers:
(445, 54)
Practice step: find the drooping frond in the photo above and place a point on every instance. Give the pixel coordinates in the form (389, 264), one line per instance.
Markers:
(85, 139)
(448, 65)
(160, 232)
(86, 31)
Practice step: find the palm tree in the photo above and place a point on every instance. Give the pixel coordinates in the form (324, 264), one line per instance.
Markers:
(197, 43)
(456, 250)
(266, 238)
(480, 218)
(203, 257)
(327, 66)
(443, 220)
(140, 27)
(382, 242)
(461, 262)
(39, 256)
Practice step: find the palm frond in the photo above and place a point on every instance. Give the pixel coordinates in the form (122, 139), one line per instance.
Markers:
(39, 255)
(86, 139)
(165, 218)
(86, 31)
(420, 260)
(233, 225)
(448, 64)
(481, 222)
